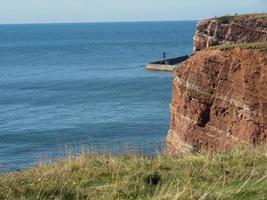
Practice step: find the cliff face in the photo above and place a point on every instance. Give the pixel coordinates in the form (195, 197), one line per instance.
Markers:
(235, 29)
(219, 100)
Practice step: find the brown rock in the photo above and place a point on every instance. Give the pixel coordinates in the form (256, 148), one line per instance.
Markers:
(219, 100)
(230, 29)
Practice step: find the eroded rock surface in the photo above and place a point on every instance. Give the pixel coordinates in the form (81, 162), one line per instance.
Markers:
(219, 100)
(236, 29)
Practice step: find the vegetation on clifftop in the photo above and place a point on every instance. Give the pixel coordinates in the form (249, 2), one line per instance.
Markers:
(239, 174)
(261, 46)
(236, 18)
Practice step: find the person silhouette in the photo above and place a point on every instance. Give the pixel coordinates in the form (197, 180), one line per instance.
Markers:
(164, 56)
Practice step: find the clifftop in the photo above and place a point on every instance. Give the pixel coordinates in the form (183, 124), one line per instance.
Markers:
(230, 29)
(258, 19)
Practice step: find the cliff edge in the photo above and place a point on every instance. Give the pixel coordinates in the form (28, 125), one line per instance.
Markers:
(230, 29)
(220, 99)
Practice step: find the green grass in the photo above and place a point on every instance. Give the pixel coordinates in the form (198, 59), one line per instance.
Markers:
(225, 19)
(236, 18)
(239, 174)
(261, 46)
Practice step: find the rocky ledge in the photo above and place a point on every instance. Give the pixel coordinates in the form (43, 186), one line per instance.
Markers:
(230, 29)
(220, 99)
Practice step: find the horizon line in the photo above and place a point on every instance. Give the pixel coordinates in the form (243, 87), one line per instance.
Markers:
(95, 22)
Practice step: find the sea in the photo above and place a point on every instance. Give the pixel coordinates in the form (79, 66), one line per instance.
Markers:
(83, 87)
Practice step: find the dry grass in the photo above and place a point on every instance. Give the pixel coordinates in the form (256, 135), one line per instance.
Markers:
(261, 46)
(239, 174)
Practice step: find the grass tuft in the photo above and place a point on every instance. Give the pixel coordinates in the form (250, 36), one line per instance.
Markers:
(225, 19)
(238, 174)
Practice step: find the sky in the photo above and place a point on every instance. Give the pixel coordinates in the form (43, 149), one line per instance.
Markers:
(56, 11)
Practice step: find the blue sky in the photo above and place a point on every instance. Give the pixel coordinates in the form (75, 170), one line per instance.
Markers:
(42, 11)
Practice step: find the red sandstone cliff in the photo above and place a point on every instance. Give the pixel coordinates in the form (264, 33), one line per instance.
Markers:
(230, 29)
(219, 100)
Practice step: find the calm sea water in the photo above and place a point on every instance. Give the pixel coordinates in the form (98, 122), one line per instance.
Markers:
(81, 85)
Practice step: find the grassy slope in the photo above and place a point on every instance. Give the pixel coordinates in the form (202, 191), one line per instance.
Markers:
(240, 174)
(261, 46)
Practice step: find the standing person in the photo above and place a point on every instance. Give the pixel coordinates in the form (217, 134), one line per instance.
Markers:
(164, 56)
